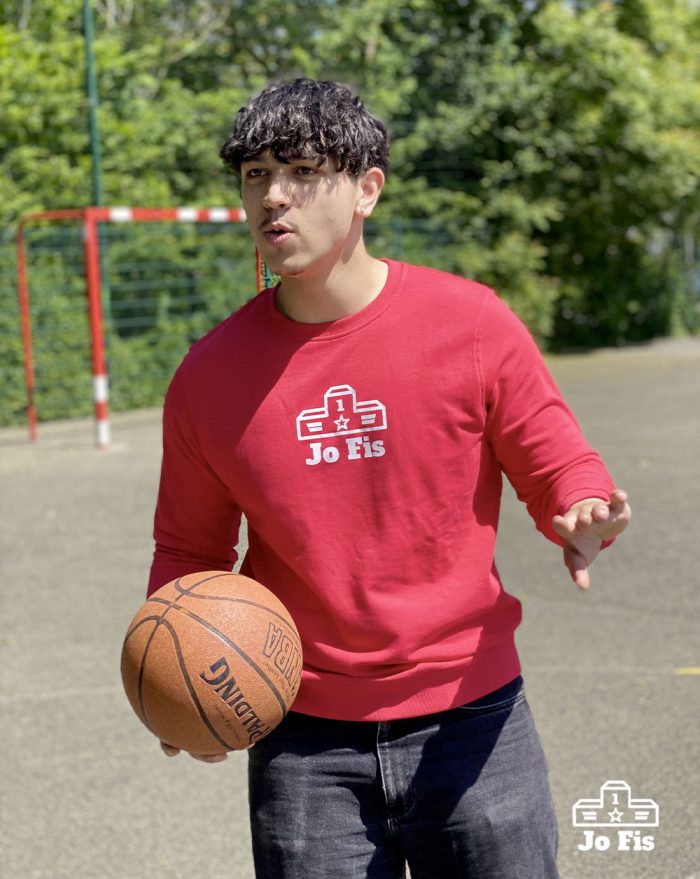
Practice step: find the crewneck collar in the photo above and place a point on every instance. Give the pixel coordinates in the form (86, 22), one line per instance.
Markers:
(342, 326)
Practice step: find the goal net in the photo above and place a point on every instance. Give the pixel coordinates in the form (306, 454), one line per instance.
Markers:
(111, 298)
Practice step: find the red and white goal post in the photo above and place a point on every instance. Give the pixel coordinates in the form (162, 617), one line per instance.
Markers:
(90, 217)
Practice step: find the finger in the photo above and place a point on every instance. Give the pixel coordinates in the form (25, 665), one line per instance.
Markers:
(616, 522)
(210, 758)
(565, 526)
(574, 522)
(169, 750)
(620, 508)
(577, 567)
(602, 513)
(618, 500)
(582, 578)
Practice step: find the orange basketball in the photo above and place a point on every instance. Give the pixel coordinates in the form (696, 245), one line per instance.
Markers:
(211, 662)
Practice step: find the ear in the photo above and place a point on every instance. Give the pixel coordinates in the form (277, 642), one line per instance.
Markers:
(370, 186)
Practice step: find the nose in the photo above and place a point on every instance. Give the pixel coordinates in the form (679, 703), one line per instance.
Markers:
(277, 194)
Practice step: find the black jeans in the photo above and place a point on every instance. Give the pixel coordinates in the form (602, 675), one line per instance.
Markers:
(461, 793)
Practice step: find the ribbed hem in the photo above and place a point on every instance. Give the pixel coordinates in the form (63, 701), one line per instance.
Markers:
(424, 689)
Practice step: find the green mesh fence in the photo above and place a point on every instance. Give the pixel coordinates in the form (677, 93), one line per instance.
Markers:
(164, 285)
(12, 389)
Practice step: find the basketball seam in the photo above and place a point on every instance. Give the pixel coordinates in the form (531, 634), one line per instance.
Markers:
(248, 601)
(251, 662)
(190, 687)
(198, 706)
(187, 590)
(143, 663)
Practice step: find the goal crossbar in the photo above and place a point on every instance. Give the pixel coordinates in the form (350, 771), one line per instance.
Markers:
(90, 217)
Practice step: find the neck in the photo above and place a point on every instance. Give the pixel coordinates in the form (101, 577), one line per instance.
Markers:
(344, 289)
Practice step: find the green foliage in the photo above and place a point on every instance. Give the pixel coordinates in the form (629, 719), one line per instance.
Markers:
(549, 148)
(161, 305)
(61, 356)
(164, 287)
(561, 149)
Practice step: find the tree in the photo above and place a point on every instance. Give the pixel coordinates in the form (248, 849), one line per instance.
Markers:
(549, 148)
(556, 143)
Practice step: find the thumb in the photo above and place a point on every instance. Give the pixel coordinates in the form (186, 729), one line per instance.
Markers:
(577, 566)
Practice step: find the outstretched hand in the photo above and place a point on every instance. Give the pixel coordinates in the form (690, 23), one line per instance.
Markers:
(585, 526)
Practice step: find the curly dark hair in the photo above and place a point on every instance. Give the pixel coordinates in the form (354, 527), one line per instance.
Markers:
(308, 117)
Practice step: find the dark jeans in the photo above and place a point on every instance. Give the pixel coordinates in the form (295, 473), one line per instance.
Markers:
(462, 793)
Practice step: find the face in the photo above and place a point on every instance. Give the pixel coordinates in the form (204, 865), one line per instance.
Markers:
(304, 216)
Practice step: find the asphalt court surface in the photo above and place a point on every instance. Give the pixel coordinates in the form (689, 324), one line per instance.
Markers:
(85, 791)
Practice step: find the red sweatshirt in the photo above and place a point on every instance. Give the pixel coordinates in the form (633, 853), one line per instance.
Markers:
(366, 454)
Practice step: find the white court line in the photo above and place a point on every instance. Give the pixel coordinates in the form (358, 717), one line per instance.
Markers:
(607, 669)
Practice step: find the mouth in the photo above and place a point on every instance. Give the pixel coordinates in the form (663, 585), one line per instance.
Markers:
(277, 234)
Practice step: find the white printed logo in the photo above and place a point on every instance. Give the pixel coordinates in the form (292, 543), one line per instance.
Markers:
(342, 415)
(616, 807)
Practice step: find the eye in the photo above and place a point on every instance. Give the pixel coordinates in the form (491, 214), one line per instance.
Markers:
(254, 173)
(306, 171)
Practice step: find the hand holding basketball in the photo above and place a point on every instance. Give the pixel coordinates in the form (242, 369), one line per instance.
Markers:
(169, 751)
(211, 663)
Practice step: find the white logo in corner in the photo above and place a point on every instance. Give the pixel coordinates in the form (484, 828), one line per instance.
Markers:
(615, 807)
(342, 415)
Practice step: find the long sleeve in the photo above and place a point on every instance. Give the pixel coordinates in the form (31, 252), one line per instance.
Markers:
(196, 520)
(535, 436)
(367, 455)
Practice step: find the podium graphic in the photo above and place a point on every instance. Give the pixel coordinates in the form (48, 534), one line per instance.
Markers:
(341, 414)
(615, 807)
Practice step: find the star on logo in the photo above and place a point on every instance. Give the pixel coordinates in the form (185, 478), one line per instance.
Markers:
(342, 423)
(615, 815)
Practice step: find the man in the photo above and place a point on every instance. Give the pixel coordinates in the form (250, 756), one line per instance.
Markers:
(360, 414)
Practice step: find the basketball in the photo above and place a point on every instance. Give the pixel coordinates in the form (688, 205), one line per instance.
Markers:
(211, 662)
